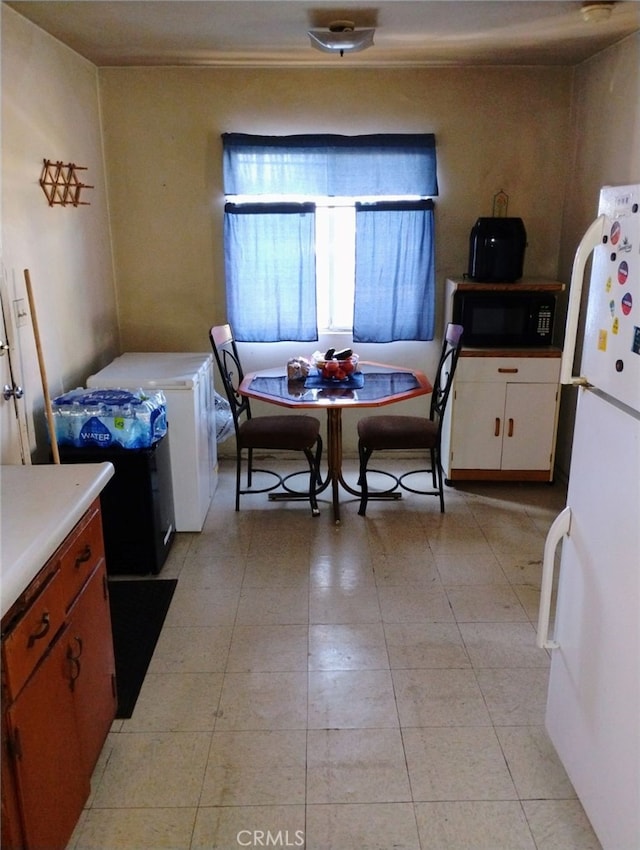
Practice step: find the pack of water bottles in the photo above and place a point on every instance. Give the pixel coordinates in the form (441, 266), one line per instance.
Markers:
(108, 418)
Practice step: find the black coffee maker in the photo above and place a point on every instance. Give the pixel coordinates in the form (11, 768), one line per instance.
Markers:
(496, 250)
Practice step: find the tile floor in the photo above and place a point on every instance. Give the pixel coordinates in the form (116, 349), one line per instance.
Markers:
(372, 685)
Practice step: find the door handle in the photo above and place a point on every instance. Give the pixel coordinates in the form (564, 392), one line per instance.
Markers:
(74, 661)
(12, 391)
(496, 432)
(510, 431)
(560, 527)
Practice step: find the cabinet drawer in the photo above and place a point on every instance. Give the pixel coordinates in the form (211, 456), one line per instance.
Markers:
(80, 555)
(27, 642)
(541, 370)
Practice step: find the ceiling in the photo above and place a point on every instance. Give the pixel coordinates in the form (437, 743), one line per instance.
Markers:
(263, 33)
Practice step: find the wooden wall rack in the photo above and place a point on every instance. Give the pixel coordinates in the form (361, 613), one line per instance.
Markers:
(60, 183)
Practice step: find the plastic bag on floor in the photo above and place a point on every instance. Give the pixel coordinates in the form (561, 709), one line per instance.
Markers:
(224, 418)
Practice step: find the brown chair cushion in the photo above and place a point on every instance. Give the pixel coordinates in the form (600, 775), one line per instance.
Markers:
(279, 432)
(397, 432)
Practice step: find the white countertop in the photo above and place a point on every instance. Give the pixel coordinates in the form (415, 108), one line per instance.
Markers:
(39, 506)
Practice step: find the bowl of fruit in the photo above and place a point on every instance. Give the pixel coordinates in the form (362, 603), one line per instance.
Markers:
(337, 365)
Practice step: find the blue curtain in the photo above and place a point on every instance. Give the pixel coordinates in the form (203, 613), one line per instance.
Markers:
(270, 271)
(394, 292)
(270, 251)
(312, 165)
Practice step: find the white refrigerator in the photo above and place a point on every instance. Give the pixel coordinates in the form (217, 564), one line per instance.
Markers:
(593, 705)
(187, 381)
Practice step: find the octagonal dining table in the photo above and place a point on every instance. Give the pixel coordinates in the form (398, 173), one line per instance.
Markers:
(373, 385)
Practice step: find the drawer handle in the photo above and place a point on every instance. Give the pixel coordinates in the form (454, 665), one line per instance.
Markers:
(45, 625)
(496, 433)
(511, 370)
(84, 556)
(510, 431)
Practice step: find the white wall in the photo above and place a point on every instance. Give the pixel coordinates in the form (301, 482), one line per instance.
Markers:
(50, 110)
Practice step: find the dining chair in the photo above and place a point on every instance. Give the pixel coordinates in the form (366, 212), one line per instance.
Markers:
(277, 433)
(389, 433)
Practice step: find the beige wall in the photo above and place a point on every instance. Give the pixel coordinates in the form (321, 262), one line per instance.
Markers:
(50, 110)
(606, 141)
(495, 129)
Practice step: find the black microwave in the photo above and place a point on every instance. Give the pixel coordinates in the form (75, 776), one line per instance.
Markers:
(495, 319)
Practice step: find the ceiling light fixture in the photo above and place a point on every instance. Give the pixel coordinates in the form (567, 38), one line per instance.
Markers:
(341, 37)
(597, 11)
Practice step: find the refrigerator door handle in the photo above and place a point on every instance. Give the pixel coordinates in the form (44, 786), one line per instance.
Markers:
(591, 239)
(560, 527)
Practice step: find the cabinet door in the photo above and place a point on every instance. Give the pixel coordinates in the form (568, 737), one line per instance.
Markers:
(477, 423)
(90, 653)
(52, 784)
(529, 426)
(11, 823)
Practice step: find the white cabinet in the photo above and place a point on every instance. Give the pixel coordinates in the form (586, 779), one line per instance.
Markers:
(186, 378)
(501, 420)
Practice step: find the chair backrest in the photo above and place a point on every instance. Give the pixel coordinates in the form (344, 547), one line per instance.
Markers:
(446, 370)
(228, 361)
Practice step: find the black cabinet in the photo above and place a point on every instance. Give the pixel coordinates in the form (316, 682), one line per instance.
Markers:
(137, 505)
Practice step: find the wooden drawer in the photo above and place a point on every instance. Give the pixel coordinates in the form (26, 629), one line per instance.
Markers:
(81, 554)
(57, 707)
(41, 611)
(541, 370)
(27, 642)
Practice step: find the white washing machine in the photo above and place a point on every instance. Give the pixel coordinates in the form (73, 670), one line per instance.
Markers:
(187, 382)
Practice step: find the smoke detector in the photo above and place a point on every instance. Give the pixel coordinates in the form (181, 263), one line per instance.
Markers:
(597, 11)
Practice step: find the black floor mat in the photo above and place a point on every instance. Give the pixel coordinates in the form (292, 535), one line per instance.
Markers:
(138, 610)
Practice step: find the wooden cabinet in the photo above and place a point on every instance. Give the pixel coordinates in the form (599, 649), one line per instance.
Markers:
(501, 419)
(58, 688)
(93, 671)
(51, 788)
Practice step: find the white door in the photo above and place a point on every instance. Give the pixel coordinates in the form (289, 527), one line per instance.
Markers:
(593, 708)
(529, 426)
(477, 425)
(13, 425)
(611, 347)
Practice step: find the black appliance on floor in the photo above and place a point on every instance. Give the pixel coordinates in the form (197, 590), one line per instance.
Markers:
(137, 505)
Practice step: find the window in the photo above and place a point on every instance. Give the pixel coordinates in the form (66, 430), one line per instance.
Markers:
(335, 263)
(335, 227)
